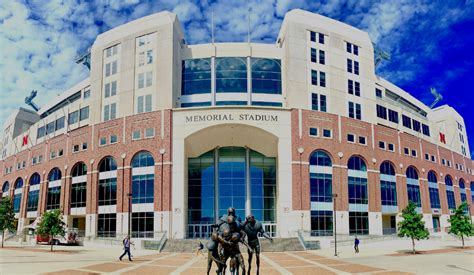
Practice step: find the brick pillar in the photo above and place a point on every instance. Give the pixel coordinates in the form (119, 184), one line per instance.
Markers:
(66, 203)
(340, 187)
(457, 195)
(62, 198)
(24, 200)
(43, 197)
(91, 199)
(443, 200)
(425, 196)
(402, 195)
(373, 188)
(124, 186)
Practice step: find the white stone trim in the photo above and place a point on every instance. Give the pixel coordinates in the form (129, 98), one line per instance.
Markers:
(34, 187)
(143, 170)
(357, 174)
(104, 209)
(320, 169)
(78, 210)
(324, 206)
(79, 179)
(32, 214)
(54, 183)
(18, 191)
(107, 175)
(142, 207)
(196, 98)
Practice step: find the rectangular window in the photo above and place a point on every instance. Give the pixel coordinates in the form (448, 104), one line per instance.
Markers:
(141, 80)
(113, 139)
(414, 194)
(87, 94)
(322, 57)
(358, 111)
(416, 125)
(107, 225)
(378, 92)
(350, 138)
(114, 67)
(113, 111)
(433, 158)
(149, 56)
(356, 67)
(356, 88)
(53, 198)
(142, 224)
(349, 65)
(322, 79)
(107, 69)
(314, 77)
(314, 55)
(427, 157)
(148, 103)
(426, 130)
(106, 112)
(50, 127)
(149, 79)
(60, 123)
(413, 153)
(84, 146)
(107, 191)
(102, 141)
(75, 148)
(313, 132)
(321, 223)
(362, 140)
(389, 192)
(358, 190)
(84, 113)
(136, 135)
(32, 201)
(350, 86)
(41, 132)
(434, 198)
(312, 36)
(113, 88)
(358, 223)
(314, 102)
(348, 47)
(78, 194)
(356, 49)
(73, 117)
(406, 121)
(451, 199)
(327, 133)
(382, 145)
(140, 104)
(149, 132)
(60, 152)
(406, 151)
(107, 90)
(381, 112)
(322, 103)
(393, 116)
(321, 38)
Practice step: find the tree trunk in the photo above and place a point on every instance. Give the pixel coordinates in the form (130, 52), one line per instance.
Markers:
(51, 243)
(3, 236)
(413, 243)
(462, 238)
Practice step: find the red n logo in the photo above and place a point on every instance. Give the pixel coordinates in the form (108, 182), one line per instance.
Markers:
(442, 138)
(25, 140)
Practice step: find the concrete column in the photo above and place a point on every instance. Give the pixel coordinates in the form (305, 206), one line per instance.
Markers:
(375, 223)
(342, 219)
(428, 219)
(91, 225)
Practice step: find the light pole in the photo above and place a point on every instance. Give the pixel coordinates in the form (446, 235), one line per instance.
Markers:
(469, 211)
(334, 196)
(129, 212)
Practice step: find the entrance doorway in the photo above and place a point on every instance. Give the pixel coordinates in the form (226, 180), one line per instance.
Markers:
(436, 224)
(389, 224)
(230, 177)
(80, 224)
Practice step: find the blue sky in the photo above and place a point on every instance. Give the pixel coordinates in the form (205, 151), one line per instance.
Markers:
(430, 42)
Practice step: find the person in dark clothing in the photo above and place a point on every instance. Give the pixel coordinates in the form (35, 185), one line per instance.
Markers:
(356, 245)
(126, 248)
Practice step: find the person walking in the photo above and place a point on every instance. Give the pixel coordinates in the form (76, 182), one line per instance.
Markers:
(356, 245)
(126, 248)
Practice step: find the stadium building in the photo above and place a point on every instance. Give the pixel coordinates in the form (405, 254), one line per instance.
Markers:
(177, 133)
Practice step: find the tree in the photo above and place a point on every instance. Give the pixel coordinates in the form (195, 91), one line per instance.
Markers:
(7, 217)
(51, 225)
(412, 225)
(460, 223)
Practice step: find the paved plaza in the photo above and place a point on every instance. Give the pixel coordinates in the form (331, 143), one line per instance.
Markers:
(390, 257)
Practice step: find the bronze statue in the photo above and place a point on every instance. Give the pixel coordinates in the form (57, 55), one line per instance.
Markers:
(254, 229)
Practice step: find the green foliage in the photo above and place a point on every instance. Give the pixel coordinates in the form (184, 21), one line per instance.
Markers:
(461, 223)
(7, 217)
(412, 224)
(51, 224)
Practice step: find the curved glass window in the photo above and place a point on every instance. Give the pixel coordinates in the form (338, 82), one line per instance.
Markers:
(143, 159)
(79, 187)
(356, 163)
(413, 186)
(461, 184)
(231, 75)
(357, 181)
(55, 174)
(263, 186)
(433, 189)
(266, 76)
(448, 180)
(388, 184)
(196, 76)
(80, 169)
(33, 195)
(143, 181)
(107, 183)
(5, 187)
(19, 183)
(320, 178)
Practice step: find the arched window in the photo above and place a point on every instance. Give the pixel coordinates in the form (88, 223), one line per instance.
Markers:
(448, 181)
(413, 186)
(17, 195)
(472, 191)
(5, 187)
(320, 176)
(231, 75)
(143, 174)
(54, 189)
(107, 220)
(266, 76)
(433, 189)
(55, 174)
(143, 159)
(79, 185)
(388, 185)
(358, 196)
(33, 194)
(196, 76)
(462, 190)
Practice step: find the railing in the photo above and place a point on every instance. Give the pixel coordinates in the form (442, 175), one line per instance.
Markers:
(199, 231)
(143, 234)
(270, 229)
(320, 233)
(389, 231)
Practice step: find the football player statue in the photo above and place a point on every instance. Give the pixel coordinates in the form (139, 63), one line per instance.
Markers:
(253, 230)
